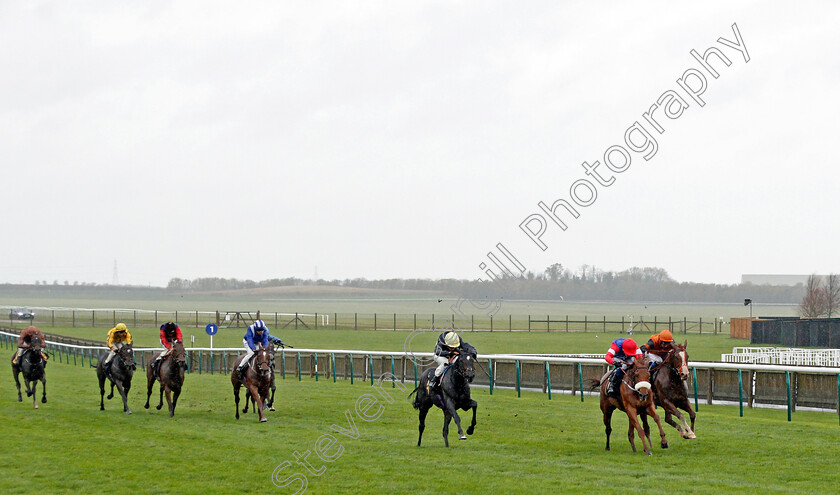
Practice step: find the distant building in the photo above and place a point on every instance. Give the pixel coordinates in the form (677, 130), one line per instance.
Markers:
(767, 279)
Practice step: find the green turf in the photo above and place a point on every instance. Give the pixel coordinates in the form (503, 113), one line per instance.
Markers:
(706, 347)
(521, 445)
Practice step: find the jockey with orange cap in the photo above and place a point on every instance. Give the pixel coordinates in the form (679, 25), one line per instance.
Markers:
(622, 353)
(658, 346)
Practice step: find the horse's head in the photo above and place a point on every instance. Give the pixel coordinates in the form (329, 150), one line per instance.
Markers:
(179, 354)
(679, 360)
(263, 360)
(466, 365)
(36, 344)
(640, 374)
(126, 354)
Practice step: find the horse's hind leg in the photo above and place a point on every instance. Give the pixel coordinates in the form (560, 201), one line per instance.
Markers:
(270, 403)
(607, 425)
(34, 395)
(424, 410)
(111, 395)
(635, 426)
(474, 406)
(43, 390)
(685, 405)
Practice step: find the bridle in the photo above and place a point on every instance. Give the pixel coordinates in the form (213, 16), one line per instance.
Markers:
(126, 354)
(635, 386)
(682, 368)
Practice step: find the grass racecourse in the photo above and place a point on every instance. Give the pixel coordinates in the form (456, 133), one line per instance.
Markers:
(521, 445)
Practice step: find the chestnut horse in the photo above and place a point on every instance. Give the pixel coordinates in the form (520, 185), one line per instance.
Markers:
(171, 378)
(257, 381)
(635, 400)
(671, 390)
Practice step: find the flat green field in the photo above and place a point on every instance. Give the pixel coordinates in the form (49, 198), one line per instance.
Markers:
(521, 445)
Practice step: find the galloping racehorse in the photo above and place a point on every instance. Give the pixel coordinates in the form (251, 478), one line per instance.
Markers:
(636, 400)
(31, 364)
(257, 381)
(122, 369)
(670, 390)
(454, 394)
(171, 378)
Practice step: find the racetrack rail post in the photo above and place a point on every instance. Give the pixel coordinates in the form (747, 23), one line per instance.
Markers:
(580, 378)
(548, 380)
(518, 379)
(740, 395)
(694, 377)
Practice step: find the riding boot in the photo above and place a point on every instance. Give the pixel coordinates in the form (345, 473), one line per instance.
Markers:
(430, 387)
(615, 383)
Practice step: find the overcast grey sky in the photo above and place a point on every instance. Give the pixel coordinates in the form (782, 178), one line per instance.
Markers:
(405, 139)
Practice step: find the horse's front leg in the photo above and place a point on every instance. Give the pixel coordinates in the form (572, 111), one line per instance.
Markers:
(474, 406)
(636, 427)
(160, 398)
(258, 403)
(101, 392)
(454, 412)
(27, 384)
(685, 405)
(124, 396)
(447, 417)
(150, 382)
(270, 403)
(169, 402)
(34, 395)
(15, 373)
(176, 393)
(111, 395)
(651, 410)
(236, 397)
(671, 411)
(43, 389)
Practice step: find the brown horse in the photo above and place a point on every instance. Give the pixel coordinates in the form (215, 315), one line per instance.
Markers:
(171, 376)
(31, 363)
(671, 390)
(635, 400)
(257, 380)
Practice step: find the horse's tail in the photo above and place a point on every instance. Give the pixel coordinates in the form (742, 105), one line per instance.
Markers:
(593, 383)
(417, 400)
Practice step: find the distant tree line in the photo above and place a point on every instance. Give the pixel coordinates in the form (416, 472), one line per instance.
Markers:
(822, 297)
(556, 282)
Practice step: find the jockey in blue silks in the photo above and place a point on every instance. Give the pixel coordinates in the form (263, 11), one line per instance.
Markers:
(256, 334)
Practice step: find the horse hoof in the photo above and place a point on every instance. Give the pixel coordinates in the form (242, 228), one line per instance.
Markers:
(110, 397)
(272, 408)
(29, 394)
(36, 406)
(128, 412)
(648, 453)
(263, 420)
(463, 437)
(159, 407)
(665, 445)
(691, 436)
(43, 400)
(470, 430)
(101, 408)
(20, 399)
(146, 405)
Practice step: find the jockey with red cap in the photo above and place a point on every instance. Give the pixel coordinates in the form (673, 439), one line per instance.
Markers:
(622, 353)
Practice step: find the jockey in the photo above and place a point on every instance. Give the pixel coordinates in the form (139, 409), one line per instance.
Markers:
(658, 346)
(169, 334)
(449, 344)
(117, 337)
(254, 335)
(622, 353)
(25, 342)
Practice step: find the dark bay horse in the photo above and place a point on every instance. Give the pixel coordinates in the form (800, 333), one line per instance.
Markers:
(171, 376)
(122, 369)
(671, 390)
(257, 381)
(454, 394)
(31, 364)
(636, 400)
